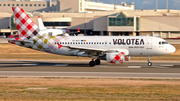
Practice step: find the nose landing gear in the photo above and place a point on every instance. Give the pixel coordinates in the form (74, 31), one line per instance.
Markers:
(149, 61)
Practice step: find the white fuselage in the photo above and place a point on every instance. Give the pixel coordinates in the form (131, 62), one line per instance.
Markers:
(132, 45)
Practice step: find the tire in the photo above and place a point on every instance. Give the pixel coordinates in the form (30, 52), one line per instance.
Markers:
(98, 61)
(92, 63)
(149, 64)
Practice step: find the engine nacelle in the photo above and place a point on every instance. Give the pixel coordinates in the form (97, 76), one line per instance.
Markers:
(113, 57)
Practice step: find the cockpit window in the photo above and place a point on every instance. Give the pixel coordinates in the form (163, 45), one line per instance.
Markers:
(162, 42)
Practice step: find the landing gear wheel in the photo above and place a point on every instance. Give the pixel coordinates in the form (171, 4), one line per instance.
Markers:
(149, 63)
(98, 61)
(92, 63)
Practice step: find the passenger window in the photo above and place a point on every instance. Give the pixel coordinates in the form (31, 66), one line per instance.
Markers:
(59, 42)
(78, 42)
(102, 42)
(94, 42)
(68, 42)
(55, 42)
(105, 42)
(109, 42)
(89, 43)
(65, 42)
(86, 42)
(160, 43)
(99, 42)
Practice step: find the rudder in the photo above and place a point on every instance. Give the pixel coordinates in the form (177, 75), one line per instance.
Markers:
(27, 29)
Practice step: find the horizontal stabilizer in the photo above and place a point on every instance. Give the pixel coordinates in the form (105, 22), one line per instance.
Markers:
(23, 41)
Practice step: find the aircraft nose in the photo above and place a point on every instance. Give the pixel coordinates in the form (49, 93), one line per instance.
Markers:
(173, 49)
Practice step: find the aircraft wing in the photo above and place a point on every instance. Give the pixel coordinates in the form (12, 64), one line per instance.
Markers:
(89, 50)
(98, 51)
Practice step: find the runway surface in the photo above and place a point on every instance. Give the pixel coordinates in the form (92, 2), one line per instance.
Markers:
(23, 68)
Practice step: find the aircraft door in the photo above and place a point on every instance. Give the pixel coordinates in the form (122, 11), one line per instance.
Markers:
(149, 43)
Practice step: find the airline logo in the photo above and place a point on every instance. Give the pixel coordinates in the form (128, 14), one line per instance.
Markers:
(128, 41)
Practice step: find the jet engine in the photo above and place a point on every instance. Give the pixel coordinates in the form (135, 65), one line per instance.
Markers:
(113, 57)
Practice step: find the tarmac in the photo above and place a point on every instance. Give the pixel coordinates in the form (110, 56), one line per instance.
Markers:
(46, 68)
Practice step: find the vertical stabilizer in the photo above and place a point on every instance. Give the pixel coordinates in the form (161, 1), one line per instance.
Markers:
(41, 25)
(27, 29)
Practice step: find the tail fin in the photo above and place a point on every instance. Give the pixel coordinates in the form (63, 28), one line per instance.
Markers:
(27, 29)
(41, 25)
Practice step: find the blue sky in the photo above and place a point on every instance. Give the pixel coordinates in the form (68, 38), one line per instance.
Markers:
(147, 4)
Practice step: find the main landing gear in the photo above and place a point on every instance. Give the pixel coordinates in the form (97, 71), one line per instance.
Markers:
(96, 62)
(149, 61)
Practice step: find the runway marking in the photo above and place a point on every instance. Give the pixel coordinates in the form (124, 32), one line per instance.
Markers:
(61, 65)
(167, 65)
(21, 64)
(99, 66)
(134, 66)
(160, 67)
(29, 64)
(9, 64)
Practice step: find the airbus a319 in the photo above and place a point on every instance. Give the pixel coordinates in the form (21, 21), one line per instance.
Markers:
(113, 49)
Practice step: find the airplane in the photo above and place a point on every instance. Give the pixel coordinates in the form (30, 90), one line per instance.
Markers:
(113, 49)
(54, 32)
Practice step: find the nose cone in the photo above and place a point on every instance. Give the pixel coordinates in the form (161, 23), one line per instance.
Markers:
(173, 49)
